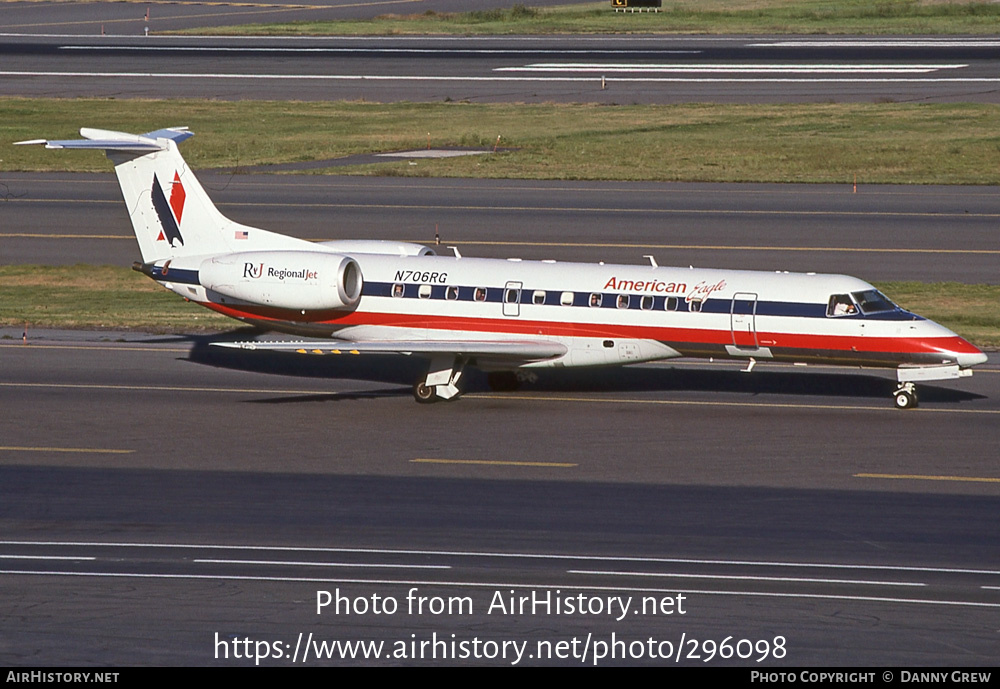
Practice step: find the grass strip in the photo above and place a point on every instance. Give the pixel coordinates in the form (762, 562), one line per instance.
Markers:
(97, 297)
(859, 17)
(880, 143)
(119, 298)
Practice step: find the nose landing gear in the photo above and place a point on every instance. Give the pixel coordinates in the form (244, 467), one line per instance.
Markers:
(905, 396)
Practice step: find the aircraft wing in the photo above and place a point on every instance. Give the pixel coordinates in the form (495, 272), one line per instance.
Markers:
(524, 350)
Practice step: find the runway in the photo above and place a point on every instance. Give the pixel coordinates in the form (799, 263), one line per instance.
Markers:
(166, 499)
(879, 233)
(576, 69)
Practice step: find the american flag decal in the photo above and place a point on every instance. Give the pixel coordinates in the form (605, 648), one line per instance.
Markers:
(242, 234)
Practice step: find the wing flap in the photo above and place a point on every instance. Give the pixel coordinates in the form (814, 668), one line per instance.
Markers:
(526, 350)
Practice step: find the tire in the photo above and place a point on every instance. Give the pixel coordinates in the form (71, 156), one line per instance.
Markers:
(423, 393)
(905, 399)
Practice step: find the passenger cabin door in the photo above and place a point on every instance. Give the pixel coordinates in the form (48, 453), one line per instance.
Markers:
(743, 320)
(512, 299)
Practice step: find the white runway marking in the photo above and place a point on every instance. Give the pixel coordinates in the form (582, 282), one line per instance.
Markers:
(514, 555)
(303, 563)
(732, 577)
(505, 585)
(617, 68)
(421, 51)
(538, 79)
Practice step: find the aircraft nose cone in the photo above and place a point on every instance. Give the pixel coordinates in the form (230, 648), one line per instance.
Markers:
(967, 360)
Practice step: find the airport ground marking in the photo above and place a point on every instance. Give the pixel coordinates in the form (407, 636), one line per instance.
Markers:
(46, 557)
(709, 247)
(118, 348)
(555, 209)
(82, 450)
(164, 388)
(542, 397)
(921, 477)
(508, 555)
(375, 78)
(40, 235)
(494, 462)
(321, 564)
(504, 396)
(593, 245)
(795, 580)
(512, 585)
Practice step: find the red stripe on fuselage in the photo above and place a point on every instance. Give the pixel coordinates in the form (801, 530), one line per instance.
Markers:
(517, 326)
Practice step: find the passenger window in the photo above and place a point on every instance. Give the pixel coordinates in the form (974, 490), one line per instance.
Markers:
(623, 301)
(451, 293)
(841, 305)
(397, 290)
(670, 304)
(424, 292)
(510, 296)
(480, 294)
(538, 297)
(566, 298)
(694, 306)
(647, 303)
(596, 299)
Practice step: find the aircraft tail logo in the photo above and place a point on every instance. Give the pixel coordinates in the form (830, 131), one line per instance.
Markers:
(169, 212)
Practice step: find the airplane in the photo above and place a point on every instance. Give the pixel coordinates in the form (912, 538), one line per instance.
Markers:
(500, 316)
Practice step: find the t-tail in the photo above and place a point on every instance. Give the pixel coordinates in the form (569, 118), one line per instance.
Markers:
(171, 214)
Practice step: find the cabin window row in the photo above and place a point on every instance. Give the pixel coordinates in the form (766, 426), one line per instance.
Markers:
(512, 295)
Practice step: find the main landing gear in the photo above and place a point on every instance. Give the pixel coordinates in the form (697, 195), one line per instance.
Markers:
(905, 396)
(441, 381)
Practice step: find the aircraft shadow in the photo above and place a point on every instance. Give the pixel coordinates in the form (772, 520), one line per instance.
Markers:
(401, 371)
(759, 382)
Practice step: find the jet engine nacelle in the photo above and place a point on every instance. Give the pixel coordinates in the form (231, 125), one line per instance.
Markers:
(301, 280)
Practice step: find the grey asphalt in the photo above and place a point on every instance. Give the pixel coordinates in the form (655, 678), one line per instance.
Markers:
(154, 493)
(623, 69)
(149, 483)
(933, 233)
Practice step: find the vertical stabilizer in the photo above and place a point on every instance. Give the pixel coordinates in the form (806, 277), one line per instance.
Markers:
(171, 213)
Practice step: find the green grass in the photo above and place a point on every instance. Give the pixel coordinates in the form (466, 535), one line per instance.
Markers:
(119, 298)
(972, 311)
(678, 16)
(831, 143)
(106, 297)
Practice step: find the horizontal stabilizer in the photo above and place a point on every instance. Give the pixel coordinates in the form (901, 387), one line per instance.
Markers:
(507, 349)
(106, 140)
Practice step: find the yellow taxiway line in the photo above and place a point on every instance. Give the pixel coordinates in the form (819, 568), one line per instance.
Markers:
(89, 450)
(919, 477)
(491, 462)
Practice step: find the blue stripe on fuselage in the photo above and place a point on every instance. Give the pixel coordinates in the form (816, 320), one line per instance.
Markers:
(609, 300)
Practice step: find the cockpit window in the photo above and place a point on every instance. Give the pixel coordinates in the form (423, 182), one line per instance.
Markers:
(841, 305)
(873, 301)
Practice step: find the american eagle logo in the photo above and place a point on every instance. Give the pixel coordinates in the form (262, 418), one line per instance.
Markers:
(169, 212)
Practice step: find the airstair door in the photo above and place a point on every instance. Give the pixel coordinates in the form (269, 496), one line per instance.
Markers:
(512, 299)
(743, 320)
